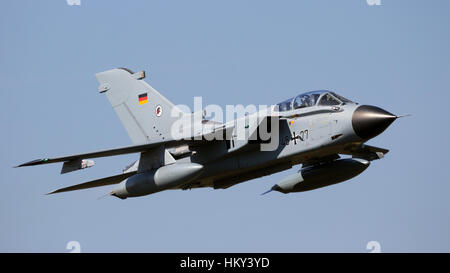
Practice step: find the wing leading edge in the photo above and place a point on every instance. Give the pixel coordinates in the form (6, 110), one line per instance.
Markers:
(192, 142)
(111, 152)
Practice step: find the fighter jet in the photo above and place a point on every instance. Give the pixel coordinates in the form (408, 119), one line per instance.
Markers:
(321, 130)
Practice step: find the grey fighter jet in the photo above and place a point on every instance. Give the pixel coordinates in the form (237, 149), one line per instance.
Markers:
(321, 130)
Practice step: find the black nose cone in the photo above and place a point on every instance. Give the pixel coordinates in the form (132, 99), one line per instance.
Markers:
(370, 121)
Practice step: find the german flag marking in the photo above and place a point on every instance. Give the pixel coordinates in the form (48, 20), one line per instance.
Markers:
(143, 99)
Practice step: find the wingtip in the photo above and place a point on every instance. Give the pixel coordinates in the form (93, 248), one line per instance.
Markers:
(33, 162)
(25, 164)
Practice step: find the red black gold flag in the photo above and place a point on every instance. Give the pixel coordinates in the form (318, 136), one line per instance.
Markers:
(143, 99)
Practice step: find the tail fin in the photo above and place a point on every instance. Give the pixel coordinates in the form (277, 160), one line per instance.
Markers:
(143, 111)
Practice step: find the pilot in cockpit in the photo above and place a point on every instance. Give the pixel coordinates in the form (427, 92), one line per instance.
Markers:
(306, 101)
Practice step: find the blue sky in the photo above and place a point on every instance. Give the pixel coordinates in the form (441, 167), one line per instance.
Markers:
(395, 56)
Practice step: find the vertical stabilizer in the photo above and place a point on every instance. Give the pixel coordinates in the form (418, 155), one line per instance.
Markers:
(144, 112)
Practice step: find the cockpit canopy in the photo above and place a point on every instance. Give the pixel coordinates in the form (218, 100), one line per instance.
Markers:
(312, 98)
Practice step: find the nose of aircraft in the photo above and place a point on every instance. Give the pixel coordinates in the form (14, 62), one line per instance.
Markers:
(369, 121)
